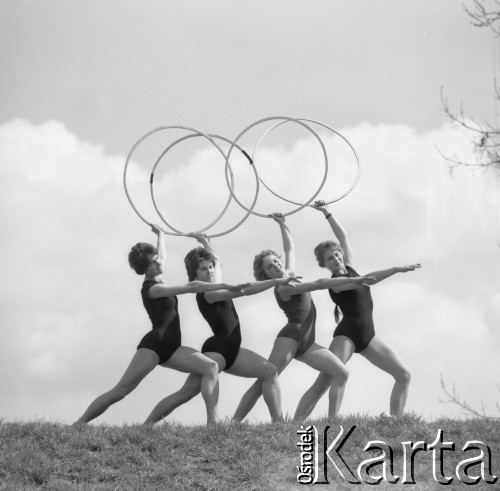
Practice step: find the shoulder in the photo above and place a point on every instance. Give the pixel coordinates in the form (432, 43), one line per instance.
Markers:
(278, 293)
(156, 289)
(147, 284)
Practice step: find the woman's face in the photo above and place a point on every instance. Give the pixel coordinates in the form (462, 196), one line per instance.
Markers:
(334, 260)
(155, 267)
(205, 271)
(273, 266)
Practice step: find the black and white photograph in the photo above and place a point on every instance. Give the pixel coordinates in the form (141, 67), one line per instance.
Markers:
(235, 232)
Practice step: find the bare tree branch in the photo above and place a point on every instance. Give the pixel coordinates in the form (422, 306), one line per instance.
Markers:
(454, 398)
(484, 136)
(483, 16)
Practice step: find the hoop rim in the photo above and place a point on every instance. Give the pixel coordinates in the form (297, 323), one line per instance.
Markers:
(179, 232)
(358, 165)
(151, 182)
(210, 138)
(286, 119)
(228, 170)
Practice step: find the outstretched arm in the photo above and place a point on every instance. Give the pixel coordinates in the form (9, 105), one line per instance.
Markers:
(162, 290)
(336, 284)
(343, 283)
(386, 273)
(288, 245)
(260, 286)
(338, 231)
(251, 289)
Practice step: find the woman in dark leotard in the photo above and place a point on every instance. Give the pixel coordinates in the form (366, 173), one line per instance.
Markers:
(162, 345)
(296, 339)
(355, 333)
(218, 309)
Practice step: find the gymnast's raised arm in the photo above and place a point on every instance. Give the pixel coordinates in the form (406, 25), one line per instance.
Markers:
(338, 231)
(160, 246)
(205, 242)
(288, 244)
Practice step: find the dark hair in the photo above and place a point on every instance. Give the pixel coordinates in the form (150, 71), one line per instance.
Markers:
(258, 267)
(322, 247)
(138, 256)
(193, 258)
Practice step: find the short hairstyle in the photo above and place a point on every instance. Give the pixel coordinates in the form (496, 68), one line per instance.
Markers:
(138, 257)
(322, 247)
(193, 258)
(258, 267)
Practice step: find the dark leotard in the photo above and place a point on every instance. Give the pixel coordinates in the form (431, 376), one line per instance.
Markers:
(223, 320)
(165, 337)
(301, 314)
(357, 308)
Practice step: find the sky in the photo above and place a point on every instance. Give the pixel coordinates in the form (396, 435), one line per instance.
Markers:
(83, 81)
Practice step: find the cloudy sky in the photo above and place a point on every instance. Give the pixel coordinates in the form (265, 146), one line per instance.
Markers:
(82, 81)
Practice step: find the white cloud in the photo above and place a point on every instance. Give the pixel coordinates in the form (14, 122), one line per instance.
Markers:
(71, 306)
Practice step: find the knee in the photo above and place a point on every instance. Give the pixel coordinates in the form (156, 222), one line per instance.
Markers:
(339, 376)
(403, 377)
(269, 371)
(211, 368)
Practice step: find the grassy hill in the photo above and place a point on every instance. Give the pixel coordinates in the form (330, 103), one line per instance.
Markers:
(229, 456)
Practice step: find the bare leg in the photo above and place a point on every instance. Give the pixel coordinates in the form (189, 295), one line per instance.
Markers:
(325, 361)
(142, 363)
(250, 364)
(190, 389)
(385, 358)
(282, 354)
(191, 361)
(343, 348)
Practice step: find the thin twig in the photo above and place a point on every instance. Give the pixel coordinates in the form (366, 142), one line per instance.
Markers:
(454, 398)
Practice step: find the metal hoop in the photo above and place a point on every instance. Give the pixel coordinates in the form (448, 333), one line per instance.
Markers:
(151, 180)
(228, 170)
(358, 172)
(286, 119)
(129, 156)
(178, 232)
(209, 138)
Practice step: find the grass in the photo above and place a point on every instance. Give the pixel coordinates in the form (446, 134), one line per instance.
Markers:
(228, 456)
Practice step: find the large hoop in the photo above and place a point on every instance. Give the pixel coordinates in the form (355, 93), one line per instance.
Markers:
(178, 232)
(210, 139)
(228, 171)
(129, 157)
(358, 168)
(286, 119)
